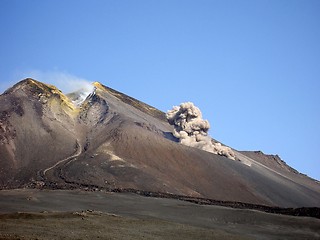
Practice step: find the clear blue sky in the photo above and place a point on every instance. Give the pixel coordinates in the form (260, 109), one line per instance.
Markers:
(252, 67)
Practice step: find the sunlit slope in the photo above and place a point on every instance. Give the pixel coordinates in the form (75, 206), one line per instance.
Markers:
(36, 130)
(112, 141)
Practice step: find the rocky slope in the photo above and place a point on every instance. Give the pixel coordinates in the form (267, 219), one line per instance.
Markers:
(112, 141)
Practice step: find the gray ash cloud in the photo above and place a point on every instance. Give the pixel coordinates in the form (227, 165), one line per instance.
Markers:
(192, 130)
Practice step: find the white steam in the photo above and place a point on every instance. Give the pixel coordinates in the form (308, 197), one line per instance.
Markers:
(66, 82)
(192, 130)
(81, 95)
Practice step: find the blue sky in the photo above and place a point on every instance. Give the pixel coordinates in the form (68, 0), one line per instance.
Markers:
(252, 67)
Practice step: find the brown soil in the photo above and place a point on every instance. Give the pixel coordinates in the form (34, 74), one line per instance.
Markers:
(34, 214)
(98, 225)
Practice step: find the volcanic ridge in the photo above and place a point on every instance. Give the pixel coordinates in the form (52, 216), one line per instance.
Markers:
(105, 140)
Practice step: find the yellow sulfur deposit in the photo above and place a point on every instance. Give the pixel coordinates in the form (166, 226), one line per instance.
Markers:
(54, 96)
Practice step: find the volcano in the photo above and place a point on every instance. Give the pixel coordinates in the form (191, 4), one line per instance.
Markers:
(106, 140)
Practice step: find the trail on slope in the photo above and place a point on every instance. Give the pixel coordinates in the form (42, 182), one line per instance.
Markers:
(76, 154)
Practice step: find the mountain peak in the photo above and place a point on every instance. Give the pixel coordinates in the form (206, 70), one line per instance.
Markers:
(33, 85)
(113, 141)
(98, 85)
(41, 91)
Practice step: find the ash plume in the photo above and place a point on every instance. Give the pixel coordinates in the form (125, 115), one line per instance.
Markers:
(192, 130)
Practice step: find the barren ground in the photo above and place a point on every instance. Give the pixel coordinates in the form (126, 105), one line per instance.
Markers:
(46, 214)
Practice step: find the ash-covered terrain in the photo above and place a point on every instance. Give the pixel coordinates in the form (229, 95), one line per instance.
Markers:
(102, 140)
